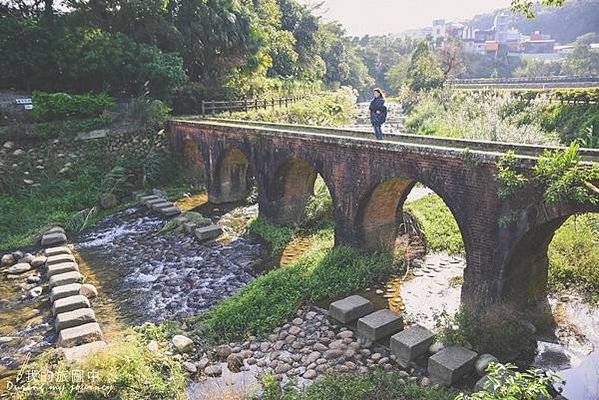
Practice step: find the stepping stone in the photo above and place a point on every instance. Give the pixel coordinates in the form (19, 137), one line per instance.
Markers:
(181, 220)
(74, 318)
(70, 303)
(162, 204)
(202, 222)
(450, 364)
(380, 324)
(170, 211)
(208, 232)
(350, 308)
(189, 227)
(150, 197)
(157, 200)
(65, 279)
(63, 291)
(57, 269)
(410, 344)
(80, 352)
(138, 195)
(79, 335)
(59, 259)
(55, 251)
(56, 229)
(52, 239)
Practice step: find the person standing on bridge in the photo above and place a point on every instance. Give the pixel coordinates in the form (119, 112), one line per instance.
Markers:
(378, 113)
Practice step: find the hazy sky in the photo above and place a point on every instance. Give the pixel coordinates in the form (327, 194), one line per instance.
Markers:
(362, 17)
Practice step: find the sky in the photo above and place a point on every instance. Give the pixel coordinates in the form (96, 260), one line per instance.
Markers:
(379, 17)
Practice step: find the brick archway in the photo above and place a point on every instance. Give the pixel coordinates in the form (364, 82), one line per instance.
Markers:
(192, 160)
(231, 179)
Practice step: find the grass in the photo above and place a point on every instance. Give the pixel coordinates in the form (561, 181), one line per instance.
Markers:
(440, 228)
(125, 370)
(323, 272)
(277, 237)
(372, 385)
(574, 257)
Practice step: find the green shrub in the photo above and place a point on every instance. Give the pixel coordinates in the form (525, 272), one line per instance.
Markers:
(277, 237)
(440, 228)
(62, 106)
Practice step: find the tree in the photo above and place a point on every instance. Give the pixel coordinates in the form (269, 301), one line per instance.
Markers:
(525, 7)
(583, 61)
(424, 72)
(450, 59)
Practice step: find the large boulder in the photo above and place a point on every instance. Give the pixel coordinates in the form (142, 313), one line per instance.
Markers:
(183, 344)
(18, 268)
(7, 260)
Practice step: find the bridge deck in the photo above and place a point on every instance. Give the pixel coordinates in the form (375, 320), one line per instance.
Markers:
(366, 136)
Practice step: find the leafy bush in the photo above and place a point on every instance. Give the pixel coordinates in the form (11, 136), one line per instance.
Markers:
(277, 237)
(188, 99)
(62, 106)
(127, 367)
(505, 382)
(319, 209)
(509, 179)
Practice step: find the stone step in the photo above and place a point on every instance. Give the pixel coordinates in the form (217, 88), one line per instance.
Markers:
(208, 232)
(189, 227)
(56, 229)
(150, 197)
(53, 239)
(169, 211)
(79, 335)
(350, 308)
(379, 324)
(410, 344)
(70, 303)
(59, 259)
(157, 200)
(80, 352)
(55, 251)
(65, 279)
(137, 195)
(63, 291)
(450, 364)
(61, 269)
(74, 318)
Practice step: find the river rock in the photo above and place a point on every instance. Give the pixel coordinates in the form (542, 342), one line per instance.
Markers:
(223, 351)
(436, 347)
(8, 145)
(7, 259)
(182, 343)
(27, 258)
(213, 370)
(19, 268)
(153, 346)
(17, 254)
(483, 362)
(35, 292)
(88, 291)
(38, 261)
(203, 363)
(190, 367)
(234, 362)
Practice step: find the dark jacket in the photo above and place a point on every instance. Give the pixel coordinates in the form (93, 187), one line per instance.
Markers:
(377, 104)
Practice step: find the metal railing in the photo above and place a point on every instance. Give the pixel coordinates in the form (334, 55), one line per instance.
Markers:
(540, 79)
(211, 107)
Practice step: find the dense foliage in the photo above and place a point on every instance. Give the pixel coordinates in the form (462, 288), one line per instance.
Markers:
(62, 106)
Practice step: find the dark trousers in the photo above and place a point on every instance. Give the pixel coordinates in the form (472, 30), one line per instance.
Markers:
(378, 131)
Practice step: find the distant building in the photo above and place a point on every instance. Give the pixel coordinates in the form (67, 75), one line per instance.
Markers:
(439, 28)
(501, 27)
(543, 46)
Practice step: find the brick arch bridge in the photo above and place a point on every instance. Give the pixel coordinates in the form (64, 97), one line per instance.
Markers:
(369, 181)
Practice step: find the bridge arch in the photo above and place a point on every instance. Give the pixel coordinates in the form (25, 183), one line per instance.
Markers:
(192, 160)
(231, 177)
(290, 189)
(524, 276)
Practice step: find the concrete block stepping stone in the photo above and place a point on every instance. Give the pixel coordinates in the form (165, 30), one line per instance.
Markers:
(162, 204)
(78, 335)
(57, 269)
(170, 211)
(65, 279)
(380, 324)
(153, 202)
(59, 259)
(63, 291)
(55, 251)
(189, 227)
(181, 220)
(80, 352)
(411, 343)
(450, 364)
(70, 303)
(74, 318)
(53, 239)
(145, 199)
(56, 229)
(202, 222)
(350, 308)
(208, 232)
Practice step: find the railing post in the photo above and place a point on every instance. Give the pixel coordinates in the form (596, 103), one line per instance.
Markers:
(203, 108)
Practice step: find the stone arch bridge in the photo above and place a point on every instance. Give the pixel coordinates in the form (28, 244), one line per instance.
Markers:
(369, 182)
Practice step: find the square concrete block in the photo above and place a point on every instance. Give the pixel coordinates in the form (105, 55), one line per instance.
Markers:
(208, 232)
(65, 279)
(59, 259)
(61, 269)
(74, 318)
(411, 343)
(80, 352)
(145, 199)
(162, 204)
(55, 251)
(53, 239)
(169, 211)
(450, 364)
(79, 335)
(380, 324)
(71, 303)
(189, 227)
(350, 308)
(63, 291)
